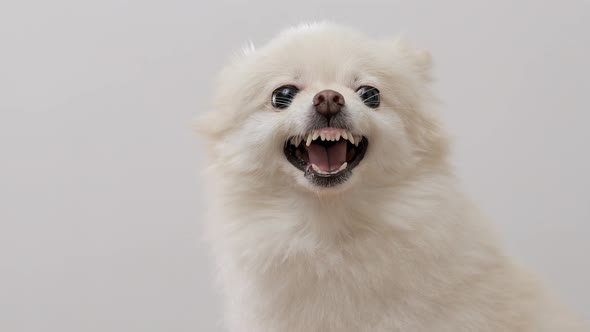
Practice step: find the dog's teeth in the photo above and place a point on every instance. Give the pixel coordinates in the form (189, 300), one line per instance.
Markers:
(349, 134)
(297, 142)
(323, 136)
(293, 141)
(309, 139)
(351, 139)
(358, 140)
(342, 167)
(315, 168)
(315, 135)
(344, 135)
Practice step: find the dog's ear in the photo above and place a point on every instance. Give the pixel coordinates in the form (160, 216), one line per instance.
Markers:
(211, 124)
(423, 62)
(419, 61)
(248, 49)
(208, 124)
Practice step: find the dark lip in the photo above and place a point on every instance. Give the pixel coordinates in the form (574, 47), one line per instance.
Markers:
(326, 180)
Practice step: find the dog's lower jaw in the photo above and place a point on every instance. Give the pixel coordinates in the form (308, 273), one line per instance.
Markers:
(396, 260)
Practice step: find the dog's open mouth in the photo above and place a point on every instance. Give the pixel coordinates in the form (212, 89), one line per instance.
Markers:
(326, 155)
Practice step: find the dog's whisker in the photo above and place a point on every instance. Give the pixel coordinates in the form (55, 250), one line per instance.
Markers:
(373, 96)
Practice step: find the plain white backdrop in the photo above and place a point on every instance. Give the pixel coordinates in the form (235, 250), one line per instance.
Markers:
(100, 199)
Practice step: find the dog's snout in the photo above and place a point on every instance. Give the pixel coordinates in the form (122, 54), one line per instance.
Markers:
(328, 102)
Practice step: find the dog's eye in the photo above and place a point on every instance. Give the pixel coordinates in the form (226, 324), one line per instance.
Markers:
(370, 96)
(283, 96)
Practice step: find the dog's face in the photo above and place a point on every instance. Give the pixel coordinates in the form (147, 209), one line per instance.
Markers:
(323, 107)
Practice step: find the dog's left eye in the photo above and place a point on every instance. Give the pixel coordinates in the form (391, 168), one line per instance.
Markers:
(370, 96)
(283, 96)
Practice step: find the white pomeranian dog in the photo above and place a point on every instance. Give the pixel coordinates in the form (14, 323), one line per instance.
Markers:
(333, 206)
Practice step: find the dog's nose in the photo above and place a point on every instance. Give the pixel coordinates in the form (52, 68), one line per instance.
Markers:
(328, 102)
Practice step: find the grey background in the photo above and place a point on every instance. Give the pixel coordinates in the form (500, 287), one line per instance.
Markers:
(100, 200)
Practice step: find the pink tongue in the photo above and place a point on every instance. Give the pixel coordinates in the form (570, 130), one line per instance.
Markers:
(327, 159)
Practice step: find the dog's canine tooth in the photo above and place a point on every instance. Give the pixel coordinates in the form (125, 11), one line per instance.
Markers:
(316, 168)
(344, 135)
(358, 140)
(309, 139)
(342, 167)
(351, 138)
(349, 135)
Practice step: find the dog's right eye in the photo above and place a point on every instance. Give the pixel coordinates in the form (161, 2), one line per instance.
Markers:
(283, 96)
(369, 95)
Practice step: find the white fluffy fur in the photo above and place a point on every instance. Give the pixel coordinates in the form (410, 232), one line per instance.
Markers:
(396, 248)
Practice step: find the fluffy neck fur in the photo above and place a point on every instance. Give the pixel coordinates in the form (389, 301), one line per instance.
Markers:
(408, 245)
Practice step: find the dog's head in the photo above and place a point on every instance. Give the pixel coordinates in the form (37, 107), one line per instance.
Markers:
(323, 107)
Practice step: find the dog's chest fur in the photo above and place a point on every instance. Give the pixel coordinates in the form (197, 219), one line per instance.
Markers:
(424, 265)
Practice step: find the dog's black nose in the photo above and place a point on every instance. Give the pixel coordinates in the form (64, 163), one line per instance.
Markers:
(328, 103)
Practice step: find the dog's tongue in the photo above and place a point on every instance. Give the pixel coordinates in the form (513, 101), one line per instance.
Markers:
(327, 158)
